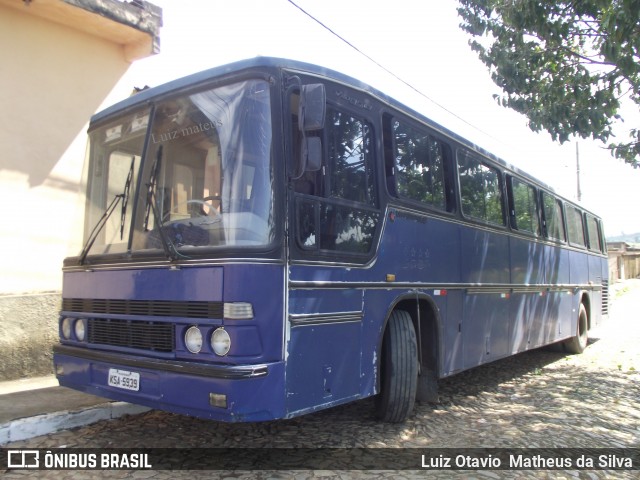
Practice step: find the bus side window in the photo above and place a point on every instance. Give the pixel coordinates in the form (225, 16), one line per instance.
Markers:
(523, 206)
(554, 226)
(418, 166)
(480, 189)
(593, 232)
(349, 144)
(336, 207)
(575, 226)
(603, 239)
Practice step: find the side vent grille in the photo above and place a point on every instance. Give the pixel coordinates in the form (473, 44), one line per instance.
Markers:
(605, 297)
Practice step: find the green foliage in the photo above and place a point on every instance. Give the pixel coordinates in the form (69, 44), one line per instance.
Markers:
(566, 65)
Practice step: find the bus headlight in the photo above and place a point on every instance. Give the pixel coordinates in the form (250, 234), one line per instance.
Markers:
(66, 328)
(80, 329)
(220, 342)
(193, 339)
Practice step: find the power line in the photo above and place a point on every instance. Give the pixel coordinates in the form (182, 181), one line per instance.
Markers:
(394, 75)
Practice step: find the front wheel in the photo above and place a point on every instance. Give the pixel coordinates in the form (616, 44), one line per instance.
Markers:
(578, 343)
(399, 369)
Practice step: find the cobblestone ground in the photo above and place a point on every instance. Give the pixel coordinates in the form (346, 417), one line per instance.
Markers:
(536, 399)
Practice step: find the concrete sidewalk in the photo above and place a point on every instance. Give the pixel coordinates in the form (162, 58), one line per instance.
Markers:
(38, 406)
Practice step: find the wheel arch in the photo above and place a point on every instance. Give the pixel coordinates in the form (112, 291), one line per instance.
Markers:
(428, 326)
(585, 299)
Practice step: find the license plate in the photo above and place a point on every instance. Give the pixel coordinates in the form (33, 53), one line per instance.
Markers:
(124, 379)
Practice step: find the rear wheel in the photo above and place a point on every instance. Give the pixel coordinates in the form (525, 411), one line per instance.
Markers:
(399, 369)
(578, 343)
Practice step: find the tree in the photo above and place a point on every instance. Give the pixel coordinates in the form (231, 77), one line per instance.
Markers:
(566, 65)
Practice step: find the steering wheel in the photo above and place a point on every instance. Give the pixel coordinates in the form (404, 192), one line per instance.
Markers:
(212, 211)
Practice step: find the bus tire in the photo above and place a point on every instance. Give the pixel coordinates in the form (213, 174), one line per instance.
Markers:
(399, 369)
(578, 343)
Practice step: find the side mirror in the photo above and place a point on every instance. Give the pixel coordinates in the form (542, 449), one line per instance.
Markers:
(312, 107)
(311, 154)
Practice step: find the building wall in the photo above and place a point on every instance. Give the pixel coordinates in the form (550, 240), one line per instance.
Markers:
(52, 79)
(28, 331)
(630, 266)
(624, 261)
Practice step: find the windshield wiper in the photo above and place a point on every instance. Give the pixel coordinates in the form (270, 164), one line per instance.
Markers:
(151, 207)
(124, 196)
(151, 186)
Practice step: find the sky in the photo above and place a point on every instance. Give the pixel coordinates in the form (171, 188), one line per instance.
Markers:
(422, 45)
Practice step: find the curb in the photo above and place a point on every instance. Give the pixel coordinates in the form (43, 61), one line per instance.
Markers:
(26, 428)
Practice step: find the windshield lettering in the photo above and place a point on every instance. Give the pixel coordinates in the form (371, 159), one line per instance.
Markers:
(185, 132)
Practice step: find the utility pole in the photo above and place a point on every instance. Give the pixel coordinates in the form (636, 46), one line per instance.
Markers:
(578, 172)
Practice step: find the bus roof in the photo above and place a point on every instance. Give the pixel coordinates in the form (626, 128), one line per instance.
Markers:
(295, 66)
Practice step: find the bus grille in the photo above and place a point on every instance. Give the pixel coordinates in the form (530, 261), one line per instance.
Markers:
(156, 308)
(150, 336)
(605, 297)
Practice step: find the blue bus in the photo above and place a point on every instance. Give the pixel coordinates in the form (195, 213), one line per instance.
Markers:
(271, 238)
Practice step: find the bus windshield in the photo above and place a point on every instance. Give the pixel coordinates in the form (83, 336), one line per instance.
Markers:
(206, 176)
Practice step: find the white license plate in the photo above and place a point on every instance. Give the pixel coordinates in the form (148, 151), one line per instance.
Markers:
(124, 379)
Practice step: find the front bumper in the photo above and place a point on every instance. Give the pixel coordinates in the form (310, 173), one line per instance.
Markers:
(252, 392)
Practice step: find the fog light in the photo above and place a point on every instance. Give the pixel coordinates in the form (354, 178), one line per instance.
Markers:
(238, 311)
(193, 340)
(80, 330)
(220, 342)
(66, 328)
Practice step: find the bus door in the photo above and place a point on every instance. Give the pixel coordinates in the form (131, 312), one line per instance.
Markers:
(334, 220)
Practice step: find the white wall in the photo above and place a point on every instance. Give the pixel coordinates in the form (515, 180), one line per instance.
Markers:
(52, 79)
